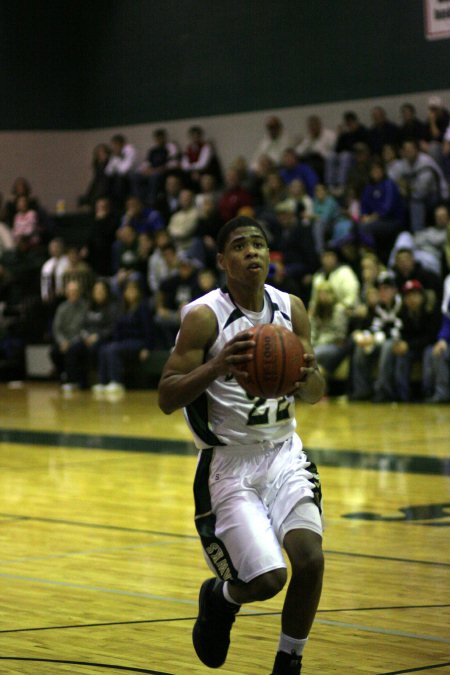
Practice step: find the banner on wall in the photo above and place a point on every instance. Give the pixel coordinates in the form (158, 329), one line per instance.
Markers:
(437, 19)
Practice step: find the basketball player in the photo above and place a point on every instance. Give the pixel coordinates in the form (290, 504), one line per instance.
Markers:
(255, 490)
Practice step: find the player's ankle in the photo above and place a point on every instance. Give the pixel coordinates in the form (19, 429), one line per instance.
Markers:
(227, 595)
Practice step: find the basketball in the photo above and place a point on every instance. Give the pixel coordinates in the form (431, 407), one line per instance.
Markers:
(276, 363)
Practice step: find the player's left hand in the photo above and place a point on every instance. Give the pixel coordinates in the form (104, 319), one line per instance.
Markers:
(306, 371)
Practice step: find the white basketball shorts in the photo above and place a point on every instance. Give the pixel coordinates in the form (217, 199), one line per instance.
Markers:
(248, 499)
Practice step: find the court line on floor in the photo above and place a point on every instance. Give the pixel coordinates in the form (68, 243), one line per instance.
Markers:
(96, 589)
(65, 463)
(112, 666)
(328, 457)
(150, 596)
(86, 441)
(416, 670)
(73, 554)
(373, 556)
(382, 631)
(193, 537)
(245, 613)
(325, 622)
(384, 608)
(99, 526)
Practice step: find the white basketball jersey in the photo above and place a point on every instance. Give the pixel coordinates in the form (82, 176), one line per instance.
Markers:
(225, 414)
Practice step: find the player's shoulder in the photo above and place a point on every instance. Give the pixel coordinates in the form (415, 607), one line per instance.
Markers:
(275, 293)
(212, 307)
(280, 299)
(210, 300)
(296, 303)
(199, 326)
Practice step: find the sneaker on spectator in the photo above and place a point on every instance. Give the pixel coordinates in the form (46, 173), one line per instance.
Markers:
(68, 387)
(114, 388)
(437, 399)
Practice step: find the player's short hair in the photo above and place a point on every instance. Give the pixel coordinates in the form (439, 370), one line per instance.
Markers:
(232, 225)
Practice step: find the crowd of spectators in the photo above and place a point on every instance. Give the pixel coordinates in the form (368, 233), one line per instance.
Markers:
(358, 224)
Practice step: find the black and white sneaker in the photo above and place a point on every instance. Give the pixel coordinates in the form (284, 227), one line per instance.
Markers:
(287, 664)
(211, 632)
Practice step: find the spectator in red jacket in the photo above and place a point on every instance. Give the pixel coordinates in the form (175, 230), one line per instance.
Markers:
(234, 197)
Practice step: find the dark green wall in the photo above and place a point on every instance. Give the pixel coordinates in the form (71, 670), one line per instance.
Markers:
(98, 63)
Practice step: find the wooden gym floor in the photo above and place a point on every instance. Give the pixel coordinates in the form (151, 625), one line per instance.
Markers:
(100, 565)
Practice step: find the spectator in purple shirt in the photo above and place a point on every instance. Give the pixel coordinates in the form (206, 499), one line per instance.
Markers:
(141, 218)
(292, 168)
(382, 212)
(436, 365)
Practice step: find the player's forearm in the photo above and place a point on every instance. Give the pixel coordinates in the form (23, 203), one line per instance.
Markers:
(177, 390)
(313, 389)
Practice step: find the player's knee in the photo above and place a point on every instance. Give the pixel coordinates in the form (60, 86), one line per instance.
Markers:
(310, 563)
(269, 584)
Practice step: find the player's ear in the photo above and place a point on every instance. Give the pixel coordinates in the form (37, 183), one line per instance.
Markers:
(219, 261)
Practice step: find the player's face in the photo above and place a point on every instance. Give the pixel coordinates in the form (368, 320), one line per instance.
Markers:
(246, 256)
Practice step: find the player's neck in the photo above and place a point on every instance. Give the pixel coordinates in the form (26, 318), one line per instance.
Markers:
(249, 298)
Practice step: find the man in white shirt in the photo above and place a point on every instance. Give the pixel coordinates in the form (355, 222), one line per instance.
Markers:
(119, 168)
(274, 142)
(318, 140)
(317, 145)
(421, 182)
(52, 273)
(163, 156)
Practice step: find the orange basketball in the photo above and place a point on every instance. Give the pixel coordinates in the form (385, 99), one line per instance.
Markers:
(276, 363)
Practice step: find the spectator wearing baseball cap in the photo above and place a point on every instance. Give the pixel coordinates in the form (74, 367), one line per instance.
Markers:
(412, 285)
(419, 328)
(386, 278)
(373, 346)
(406, 267)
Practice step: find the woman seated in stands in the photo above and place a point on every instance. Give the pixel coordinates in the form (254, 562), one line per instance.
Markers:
(132, 340)
(98, 185)
(273, 190)
(96, 330)
(20, 188)
(25, 222)
(329, 326)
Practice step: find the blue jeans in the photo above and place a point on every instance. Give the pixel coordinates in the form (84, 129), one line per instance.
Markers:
(436, 374)
(112, 357)
(337, 166)
(363, 364)
(402, 373)
(419, 210)
(78, 359)
(330, 356)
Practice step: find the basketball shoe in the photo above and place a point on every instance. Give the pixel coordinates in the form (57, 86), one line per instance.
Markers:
(211, 632)
(287, 664)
